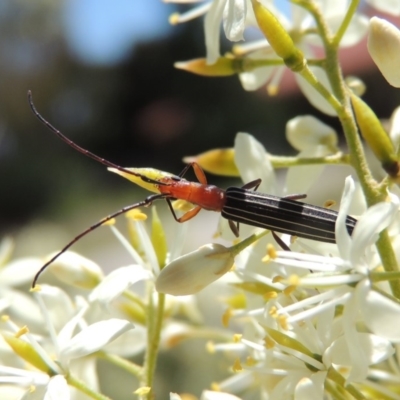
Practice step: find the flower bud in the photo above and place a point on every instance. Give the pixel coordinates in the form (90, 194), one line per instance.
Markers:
(76, 270)
(224, 66)
(306, 131)
(159, 238)
(194, 271)
(384, 48)
(150, 173)
(278, 37)
(27, 352)
(217, 161)
(378, 140)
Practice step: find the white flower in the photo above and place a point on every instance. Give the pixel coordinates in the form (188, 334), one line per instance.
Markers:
(384, 48)
(76, 270)
(212, 395)
(116, 282)
(306, 131)
(321, 339)
(301, 27)
(236, 15)
(194, 271)
(232, 14)
(93, 338)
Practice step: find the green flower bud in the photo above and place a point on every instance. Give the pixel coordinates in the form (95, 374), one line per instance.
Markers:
(378, 140)
(278, 37)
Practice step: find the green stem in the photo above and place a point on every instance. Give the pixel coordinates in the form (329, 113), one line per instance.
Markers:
(308, 75)
(389, 261)
(81, 386)
(237, 248)
(340, 101)
(287, 162)
(250, 64)
(384, 276)
(122, 363)
(345, 23)
(154, 326)
(152, 360)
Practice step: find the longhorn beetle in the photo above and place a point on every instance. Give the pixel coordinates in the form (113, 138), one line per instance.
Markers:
(237, 204)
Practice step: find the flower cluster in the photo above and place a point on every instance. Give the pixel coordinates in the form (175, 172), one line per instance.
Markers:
(291, 317)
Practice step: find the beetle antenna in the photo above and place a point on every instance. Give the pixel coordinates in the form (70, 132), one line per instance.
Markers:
(84, 151)
(144, 203)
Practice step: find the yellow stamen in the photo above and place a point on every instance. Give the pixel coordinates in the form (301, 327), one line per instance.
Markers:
(270, 295)
(282, 319)
(22, 331)
(226, 317)
(136, 215)
(237, 337)
(269, 343)
(237, 366)
(290, 289)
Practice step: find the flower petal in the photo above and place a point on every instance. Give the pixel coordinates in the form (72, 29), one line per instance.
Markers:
(20, 271)
(311, 387)
(316, 100)
(306, 131)
(342, 236)
(57, 389)
(384, 48)
(117, 281)
(234, 19)
(372, 222)
(194, 271)
(94, 337)
(253, 163)
(378, 312)
(211, 395)
(211, 30)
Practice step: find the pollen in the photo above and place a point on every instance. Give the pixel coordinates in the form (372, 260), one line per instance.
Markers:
(210, 347)
(136, 215)
(329, 203)
(271, 251)
(250, 361)
(37, 288)
(277, 279)
(270, 295)
(272, 90)
(237, 366)
(174, 19)
(269, 343)
(273, 312)
(266, 259)
(282, 319)
(294, 280)
(289, 290)
(111, 221)
(182, 205)
(226, 317)
(237, 337)
(215, 387)
(22, 331)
